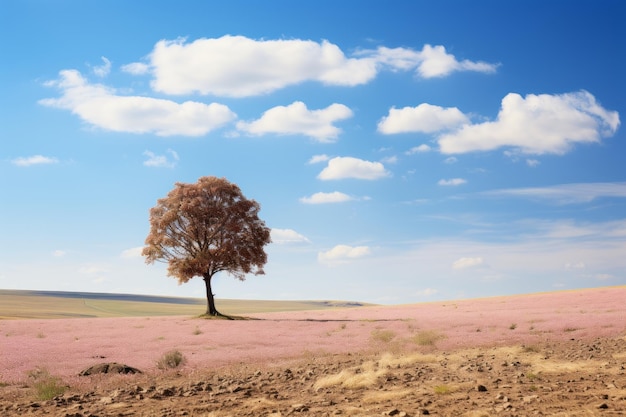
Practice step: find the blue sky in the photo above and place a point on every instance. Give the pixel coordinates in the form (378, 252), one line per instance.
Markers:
(401, 151)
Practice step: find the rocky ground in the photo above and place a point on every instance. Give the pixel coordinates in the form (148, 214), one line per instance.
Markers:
(572, 377)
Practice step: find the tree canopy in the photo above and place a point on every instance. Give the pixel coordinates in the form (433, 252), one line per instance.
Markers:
(204, 228)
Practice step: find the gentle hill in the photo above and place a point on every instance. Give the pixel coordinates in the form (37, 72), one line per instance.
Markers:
(21, 304)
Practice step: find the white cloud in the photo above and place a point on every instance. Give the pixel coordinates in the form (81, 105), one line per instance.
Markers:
(349, 167)
(451, 160)
(536, 124)
(423, 148)
(315, 159)
(603, 277)
(287, 236)
(532, 162)
(342, 253)
(297, 119)
(136, 68)
(430, 62)
(424, 118)
(132, 253)
(59, 253)
(161, 161)
(390, 159)
(566, 193)
(324, 198)
(237, 66)
(464, 263)
(104, 69)
(34, 160)
(452, 182)
(101, 107)
(577, 265)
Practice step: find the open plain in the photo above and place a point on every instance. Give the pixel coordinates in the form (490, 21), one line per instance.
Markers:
(561, 353)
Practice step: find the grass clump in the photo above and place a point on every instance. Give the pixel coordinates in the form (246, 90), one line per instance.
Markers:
(531, 349)
(170, 360)
(359, 377)
(46, 386)
(384, 336)
(443, 389)
(513, 326)
(197, 331)
(427, 338)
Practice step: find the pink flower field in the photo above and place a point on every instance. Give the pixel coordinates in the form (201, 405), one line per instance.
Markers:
(66, 346)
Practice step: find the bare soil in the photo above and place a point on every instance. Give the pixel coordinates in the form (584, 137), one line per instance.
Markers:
(558, 354)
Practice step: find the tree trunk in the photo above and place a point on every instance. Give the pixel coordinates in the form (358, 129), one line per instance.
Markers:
(210, 310)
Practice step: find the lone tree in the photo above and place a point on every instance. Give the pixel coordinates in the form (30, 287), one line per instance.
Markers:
(204, 228)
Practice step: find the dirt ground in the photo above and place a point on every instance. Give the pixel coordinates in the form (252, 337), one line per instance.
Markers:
(564, 378)
(564, 360)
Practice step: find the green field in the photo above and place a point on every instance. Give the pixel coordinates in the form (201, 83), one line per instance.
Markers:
(17, 304)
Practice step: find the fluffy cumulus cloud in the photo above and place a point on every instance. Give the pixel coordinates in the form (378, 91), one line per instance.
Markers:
(237, 66)
(34, 160)
(101, 107)
(536, 124)
(430, 62)
(342, 254)
(324, 198)
(425, 118)
(297, 119)
(464, 263)
(343, 167)
(287, 236)
(168, 160)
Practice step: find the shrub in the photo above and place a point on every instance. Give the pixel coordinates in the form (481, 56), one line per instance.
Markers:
(170, 360)
(45, 385)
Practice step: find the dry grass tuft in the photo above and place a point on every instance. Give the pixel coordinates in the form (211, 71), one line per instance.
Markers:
(170, 360)
(46, 386)
(359, 377)
(373, 397)
(427, 337)
(443, 389)
(384, 336)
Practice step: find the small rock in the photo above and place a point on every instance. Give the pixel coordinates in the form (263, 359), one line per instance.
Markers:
(107, 368)
(481, 388)
(300, 408)
(603, 406)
